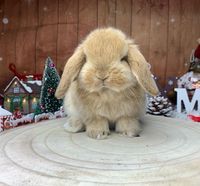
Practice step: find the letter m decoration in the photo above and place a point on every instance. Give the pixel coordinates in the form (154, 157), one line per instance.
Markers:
(182, 97)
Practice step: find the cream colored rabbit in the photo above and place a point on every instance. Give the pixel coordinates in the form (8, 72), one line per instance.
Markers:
(104, 82)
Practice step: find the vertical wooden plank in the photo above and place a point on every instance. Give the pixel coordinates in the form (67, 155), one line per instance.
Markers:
(48, 12)
(106, 13)
(2, 85)
(158, 38)
(1, 15)
(141, 25)
(68, 11)
(46, 45)
(7, 53)
(25, 50)
(123, 16)
(2, 51)
(173, 53)
(67, 42)
(11, 12)
(28, 13)
(10, 50)
(186, 33)
(87, 17)
(2, 62)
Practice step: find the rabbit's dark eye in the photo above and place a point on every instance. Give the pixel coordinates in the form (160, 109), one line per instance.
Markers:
(124, 59)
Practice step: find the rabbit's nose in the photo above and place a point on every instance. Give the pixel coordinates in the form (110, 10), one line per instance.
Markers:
(102, 78)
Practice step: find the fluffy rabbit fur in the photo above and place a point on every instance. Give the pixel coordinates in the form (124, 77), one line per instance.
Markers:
(104, 82)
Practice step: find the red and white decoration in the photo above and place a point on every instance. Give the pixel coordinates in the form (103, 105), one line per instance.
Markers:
(4, 114)
(8, 120)
(1, 124)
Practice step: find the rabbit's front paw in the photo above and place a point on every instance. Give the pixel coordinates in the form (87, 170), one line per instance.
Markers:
(97, 134)
(73, 125)
(98, 129)
(128, 127)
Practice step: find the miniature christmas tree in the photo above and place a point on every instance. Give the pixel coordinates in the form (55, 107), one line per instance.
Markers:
(159, 105)
(38, 109)
(48, 102)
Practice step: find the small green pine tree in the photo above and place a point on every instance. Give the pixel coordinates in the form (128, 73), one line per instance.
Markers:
(48, 102)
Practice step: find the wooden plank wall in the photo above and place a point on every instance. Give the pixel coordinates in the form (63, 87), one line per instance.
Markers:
(165, 30)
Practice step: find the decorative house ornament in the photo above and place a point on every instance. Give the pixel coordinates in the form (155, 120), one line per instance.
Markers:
(182, 97)
(22, 95)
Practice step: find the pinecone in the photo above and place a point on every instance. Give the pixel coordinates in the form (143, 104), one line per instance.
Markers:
(159, 105)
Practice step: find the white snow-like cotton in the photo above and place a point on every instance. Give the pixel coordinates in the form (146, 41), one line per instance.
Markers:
(4, 112)
(38, 82)
(27, 87)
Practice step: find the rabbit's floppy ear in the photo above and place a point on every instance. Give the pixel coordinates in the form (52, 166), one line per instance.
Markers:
(71, 71)
(140, 68)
